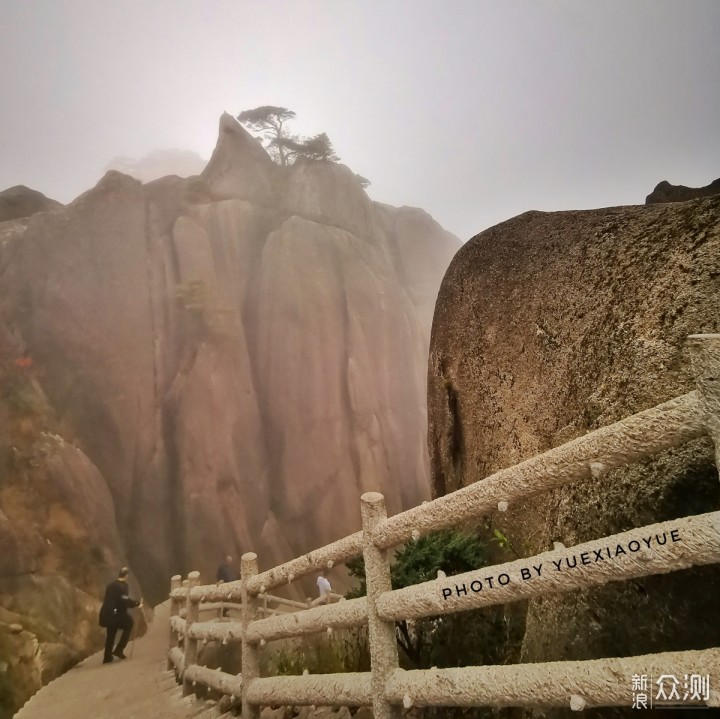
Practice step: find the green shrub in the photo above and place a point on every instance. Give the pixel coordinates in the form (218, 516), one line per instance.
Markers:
(481, 636)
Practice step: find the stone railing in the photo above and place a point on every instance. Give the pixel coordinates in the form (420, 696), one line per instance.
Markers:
(655, 549)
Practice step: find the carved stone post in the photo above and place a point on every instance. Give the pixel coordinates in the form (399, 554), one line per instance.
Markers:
(383, 647)
(705, 355)
(250, 652)
(175, 583)
(191, 616)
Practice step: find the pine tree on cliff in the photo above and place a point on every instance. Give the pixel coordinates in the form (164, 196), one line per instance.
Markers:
(270, 122)
(318, 147)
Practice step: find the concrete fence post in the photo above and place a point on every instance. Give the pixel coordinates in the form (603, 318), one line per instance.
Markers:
(191, 616)
(705, 357)
(381, 634)
(250, 653)
(174, 639)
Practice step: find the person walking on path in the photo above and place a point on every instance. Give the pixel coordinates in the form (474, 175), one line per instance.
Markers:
(324, 587)
(114, 615)
(226, 571)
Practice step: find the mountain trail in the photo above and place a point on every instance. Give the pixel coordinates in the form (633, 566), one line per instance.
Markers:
(138, 687)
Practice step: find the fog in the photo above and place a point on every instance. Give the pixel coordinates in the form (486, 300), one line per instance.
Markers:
(475, 111)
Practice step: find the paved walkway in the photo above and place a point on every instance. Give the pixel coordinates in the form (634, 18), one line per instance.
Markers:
(137, 688)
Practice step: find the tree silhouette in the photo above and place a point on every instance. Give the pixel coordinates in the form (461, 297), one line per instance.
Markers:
(317, 147)
(269, 120)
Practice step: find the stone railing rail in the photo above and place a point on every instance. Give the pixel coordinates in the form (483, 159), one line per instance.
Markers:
(655, 549)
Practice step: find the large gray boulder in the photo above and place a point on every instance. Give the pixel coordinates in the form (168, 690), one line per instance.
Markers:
(548, 326)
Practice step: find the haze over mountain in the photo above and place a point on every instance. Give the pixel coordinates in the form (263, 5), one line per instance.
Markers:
(159, 163)
(190, 367)
(477, 111)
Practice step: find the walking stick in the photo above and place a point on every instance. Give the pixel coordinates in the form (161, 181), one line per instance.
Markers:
(134, 630)
(132, 645)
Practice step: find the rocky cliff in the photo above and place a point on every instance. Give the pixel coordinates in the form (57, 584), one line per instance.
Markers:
(665, 192)
(211, 365)
(551, 325)
(21, 201)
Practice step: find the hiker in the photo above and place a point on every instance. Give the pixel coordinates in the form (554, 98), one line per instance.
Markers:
(114, 615)
(324, 587)
(226, 572)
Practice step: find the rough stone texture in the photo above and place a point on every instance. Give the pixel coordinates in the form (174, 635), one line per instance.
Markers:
(634, 439)
(348, 689)
(656, 549)
(324, 557)
(665, 192)
(220, 357)
(600, 683)
(250, 653)
(550, 325)
(705, 354)
(20, 201)
(216, 680)
(381, 633)
(351, 613)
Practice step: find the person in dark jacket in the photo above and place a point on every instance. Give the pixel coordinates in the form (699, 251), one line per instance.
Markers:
(226, 571)
(114, 615)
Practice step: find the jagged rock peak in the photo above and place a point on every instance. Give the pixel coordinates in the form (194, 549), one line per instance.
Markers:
(666, 192)
(21, 201)
(233, 137)
(239, 166)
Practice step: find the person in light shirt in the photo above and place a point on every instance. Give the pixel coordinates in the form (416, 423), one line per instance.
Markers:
(324, 587)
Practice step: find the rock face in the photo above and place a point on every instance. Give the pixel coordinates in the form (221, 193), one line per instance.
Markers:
(551, 325)
(58, 539)
(665, 192)
(225, 364)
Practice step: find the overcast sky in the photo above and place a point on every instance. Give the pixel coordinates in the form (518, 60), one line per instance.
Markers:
(475, 110)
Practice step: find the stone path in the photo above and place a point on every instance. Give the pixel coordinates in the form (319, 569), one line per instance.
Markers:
(137, 688)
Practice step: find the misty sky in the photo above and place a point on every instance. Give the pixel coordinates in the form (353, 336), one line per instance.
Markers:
(474, 110)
